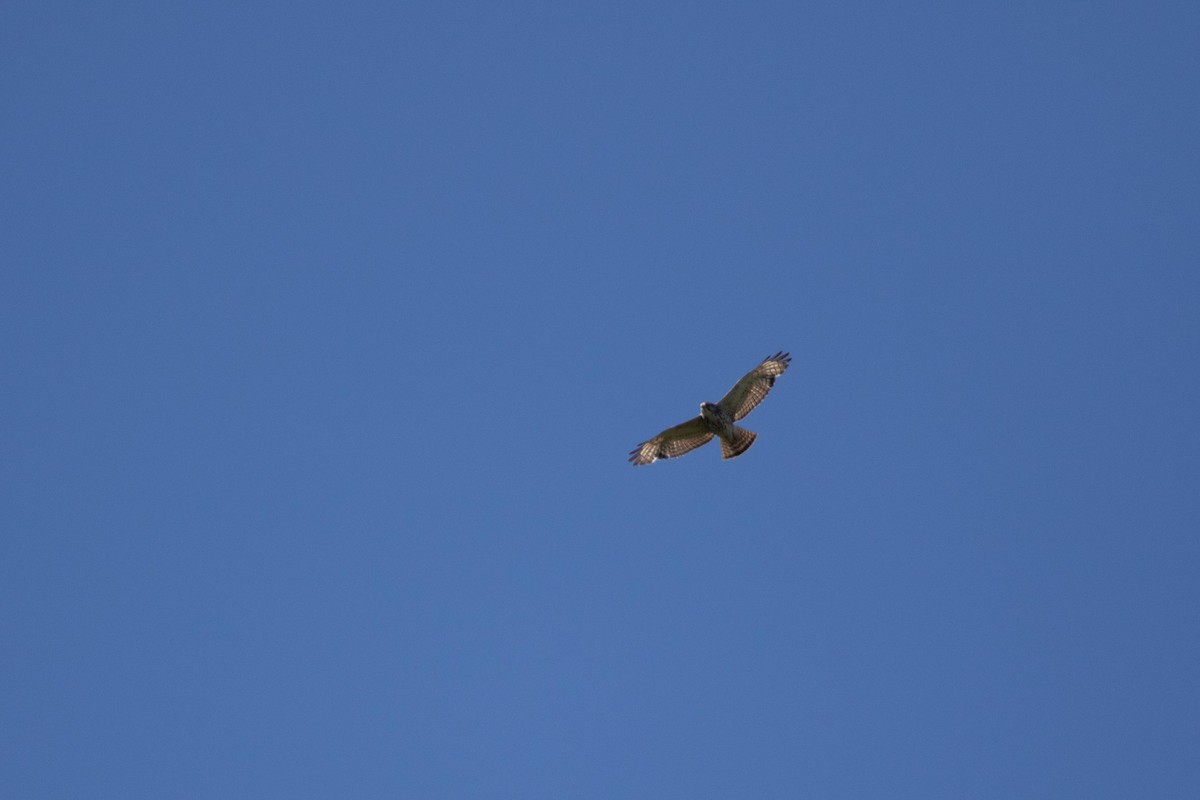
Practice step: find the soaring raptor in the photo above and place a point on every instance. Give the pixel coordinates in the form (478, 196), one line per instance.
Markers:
(716, 419)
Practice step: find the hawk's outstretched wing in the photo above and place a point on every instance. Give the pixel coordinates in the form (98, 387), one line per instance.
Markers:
(750, 390)
(672, 442)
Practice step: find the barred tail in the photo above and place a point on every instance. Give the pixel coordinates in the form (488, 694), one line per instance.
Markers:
(737, 444)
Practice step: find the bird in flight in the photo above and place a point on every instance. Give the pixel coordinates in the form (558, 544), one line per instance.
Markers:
(717, 419)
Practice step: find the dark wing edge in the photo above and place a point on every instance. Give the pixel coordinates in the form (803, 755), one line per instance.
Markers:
(747, 393)
(674, 441)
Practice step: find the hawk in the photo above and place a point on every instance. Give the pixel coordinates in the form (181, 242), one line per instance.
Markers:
(716, 419)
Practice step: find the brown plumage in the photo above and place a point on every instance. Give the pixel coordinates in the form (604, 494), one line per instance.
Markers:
(717, 419)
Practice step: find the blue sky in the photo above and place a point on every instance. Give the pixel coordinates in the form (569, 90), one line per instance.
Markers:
(327, 328)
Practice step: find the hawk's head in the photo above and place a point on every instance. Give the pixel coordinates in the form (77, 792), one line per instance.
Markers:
(717, 417)
(710, 411)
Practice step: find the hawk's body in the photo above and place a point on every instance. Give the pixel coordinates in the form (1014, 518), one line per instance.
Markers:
(717, 419)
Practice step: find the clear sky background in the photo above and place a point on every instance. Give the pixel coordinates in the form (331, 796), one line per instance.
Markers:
(326, 329)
